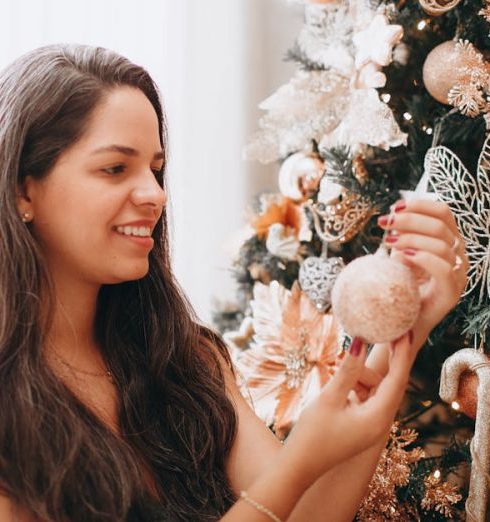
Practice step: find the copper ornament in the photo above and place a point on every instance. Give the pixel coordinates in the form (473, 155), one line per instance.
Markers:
(438, 7)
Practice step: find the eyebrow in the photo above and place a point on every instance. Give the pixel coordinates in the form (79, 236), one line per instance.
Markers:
(128, 151)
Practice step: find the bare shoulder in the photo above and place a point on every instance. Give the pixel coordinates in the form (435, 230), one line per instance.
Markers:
(254, 444)
(11, 513)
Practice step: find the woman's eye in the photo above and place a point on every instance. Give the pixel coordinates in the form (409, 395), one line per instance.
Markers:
(117, 169)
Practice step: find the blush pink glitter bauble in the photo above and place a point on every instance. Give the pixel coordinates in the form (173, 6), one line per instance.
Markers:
(376, 298)
(441, 70)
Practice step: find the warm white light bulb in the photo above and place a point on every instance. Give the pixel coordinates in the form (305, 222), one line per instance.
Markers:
(437, 474)
(407, 116)
(455, 406)
(386, 97)
(421, 25)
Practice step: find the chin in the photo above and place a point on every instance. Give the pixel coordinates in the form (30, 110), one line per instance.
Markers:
(132, 274)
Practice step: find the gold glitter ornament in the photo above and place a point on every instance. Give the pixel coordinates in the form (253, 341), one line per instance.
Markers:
(342, 218)
(438, 7)
(441, 70)
(470, 360)
(393, 471)
(440, 496)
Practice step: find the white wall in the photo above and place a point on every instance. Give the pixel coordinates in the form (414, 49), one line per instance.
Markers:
(214, 61)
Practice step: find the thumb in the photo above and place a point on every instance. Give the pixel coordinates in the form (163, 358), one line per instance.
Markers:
(349, 372)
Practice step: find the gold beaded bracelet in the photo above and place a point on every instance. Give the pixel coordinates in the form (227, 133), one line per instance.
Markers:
(259, 507)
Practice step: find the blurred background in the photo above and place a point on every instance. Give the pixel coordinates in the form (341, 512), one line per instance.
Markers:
(214, 62)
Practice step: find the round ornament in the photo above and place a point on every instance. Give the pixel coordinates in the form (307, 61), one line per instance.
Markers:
(467, 396)
(317, 277)
(438, 7)
(300, 175)
(441, 70)
(376, 298)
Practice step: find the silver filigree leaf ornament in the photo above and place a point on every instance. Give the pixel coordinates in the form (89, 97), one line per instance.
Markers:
(468, 198)
(317, 276)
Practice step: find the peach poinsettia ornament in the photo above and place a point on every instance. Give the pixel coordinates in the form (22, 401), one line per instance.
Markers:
(294, 353)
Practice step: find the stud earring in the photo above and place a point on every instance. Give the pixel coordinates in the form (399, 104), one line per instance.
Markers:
(26, 217)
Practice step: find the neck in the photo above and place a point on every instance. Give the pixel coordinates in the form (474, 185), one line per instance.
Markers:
(72, 335)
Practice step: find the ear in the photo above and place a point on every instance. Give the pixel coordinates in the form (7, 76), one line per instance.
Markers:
(24, 200)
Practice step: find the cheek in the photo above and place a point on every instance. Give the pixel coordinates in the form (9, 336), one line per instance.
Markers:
(74, 219)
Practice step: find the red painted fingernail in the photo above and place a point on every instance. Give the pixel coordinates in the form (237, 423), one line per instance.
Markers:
(356, 346)
(383, 221)
(400, 206)
(391, 239)
(409, 252)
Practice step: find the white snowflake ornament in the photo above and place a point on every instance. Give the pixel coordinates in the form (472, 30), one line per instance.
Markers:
(469, 200)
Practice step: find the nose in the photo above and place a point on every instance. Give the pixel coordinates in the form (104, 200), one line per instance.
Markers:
(148, 192)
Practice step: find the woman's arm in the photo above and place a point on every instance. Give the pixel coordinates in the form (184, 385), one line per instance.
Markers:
(340, 491)
(331, 430)
(426, 238)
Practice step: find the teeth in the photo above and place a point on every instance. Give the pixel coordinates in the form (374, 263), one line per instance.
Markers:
(134, 231)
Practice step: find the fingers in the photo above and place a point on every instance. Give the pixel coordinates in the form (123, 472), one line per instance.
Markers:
(414, 241)
(406, 221)
(435, 209)
(440, 269)
(392, 387)
(369, 378)
(348, 374)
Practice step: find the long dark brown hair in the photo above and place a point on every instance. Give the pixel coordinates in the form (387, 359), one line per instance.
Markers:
(57, 459)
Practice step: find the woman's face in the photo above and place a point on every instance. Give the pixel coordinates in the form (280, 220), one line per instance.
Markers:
(95, 211)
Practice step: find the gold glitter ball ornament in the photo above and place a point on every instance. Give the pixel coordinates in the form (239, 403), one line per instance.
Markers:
(376, 298)
(442, 69)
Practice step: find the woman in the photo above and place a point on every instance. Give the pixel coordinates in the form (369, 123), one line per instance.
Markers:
(115, 403)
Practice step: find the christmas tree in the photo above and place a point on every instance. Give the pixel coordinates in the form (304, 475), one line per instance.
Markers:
(387, 97)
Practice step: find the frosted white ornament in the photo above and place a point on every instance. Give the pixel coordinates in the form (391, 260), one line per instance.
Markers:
(401, 53)
(317, 276)
(298, 173)
(370, 76)
(367, 121)
(375, 43)
(329, 191)
(376, 298)
(282, 244)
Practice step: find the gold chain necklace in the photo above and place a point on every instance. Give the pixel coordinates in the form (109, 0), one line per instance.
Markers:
(107, 373)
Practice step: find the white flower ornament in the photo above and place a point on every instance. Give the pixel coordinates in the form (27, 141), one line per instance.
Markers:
(469, 200)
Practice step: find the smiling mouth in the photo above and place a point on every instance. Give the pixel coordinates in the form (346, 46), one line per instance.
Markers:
(134, 231)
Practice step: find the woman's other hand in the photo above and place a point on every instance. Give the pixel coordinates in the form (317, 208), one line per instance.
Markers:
(424, 234)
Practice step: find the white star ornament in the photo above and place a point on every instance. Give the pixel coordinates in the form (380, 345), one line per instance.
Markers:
(376, 42)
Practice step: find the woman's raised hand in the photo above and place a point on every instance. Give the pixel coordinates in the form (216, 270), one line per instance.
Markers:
(337, 426)
(424, 234)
